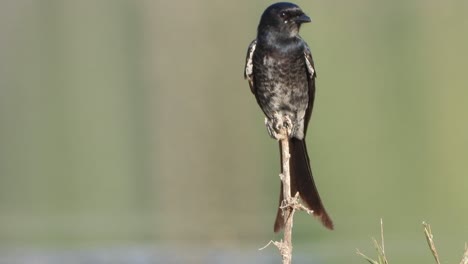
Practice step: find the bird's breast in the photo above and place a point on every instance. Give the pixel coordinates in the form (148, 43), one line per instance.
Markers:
(281, 81)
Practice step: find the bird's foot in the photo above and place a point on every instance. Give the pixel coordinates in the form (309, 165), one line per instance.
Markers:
(279, 127)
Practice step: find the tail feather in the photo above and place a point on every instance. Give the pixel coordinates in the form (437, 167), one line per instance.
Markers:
(302, 181)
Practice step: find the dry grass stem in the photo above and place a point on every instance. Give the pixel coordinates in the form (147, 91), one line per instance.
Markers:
(380, 248)
(430, 241)
(465, 256)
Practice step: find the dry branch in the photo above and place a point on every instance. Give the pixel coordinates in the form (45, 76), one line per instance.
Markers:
(289, 204)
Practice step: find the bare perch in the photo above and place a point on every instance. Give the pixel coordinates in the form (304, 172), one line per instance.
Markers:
(289, 204)
(285, 246)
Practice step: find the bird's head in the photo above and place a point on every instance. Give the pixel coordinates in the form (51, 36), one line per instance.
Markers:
(283, 19)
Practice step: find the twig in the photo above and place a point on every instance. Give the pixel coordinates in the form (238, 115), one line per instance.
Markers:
(430, 241)
(262, 248)
(287, 205)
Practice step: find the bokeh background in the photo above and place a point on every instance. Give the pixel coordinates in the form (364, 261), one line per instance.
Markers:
(128, 135)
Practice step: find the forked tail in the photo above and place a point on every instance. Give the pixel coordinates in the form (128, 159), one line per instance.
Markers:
(302, 181)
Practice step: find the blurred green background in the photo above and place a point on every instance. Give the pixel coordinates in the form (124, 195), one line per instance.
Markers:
(128, 124)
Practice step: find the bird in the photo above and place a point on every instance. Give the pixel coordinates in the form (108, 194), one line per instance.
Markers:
(281, 74)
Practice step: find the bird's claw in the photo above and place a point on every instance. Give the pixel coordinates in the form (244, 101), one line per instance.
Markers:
(279, 127)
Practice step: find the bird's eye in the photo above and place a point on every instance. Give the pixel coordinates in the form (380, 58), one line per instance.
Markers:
(283, 15)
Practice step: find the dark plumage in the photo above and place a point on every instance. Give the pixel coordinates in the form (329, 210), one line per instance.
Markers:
(281, 75)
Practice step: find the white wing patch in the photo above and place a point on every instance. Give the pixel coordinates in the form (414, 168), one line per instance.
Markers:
(310, 68)
(249, 62)
(248, 72)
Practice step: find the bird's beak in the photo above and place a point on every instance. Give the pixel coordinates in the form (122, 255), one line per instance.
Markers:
(302, 19)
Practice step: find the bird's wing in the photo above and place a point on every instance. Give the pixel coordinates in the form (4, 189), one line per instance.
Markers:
(309, 62)
(311, 75)
(248, 71)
